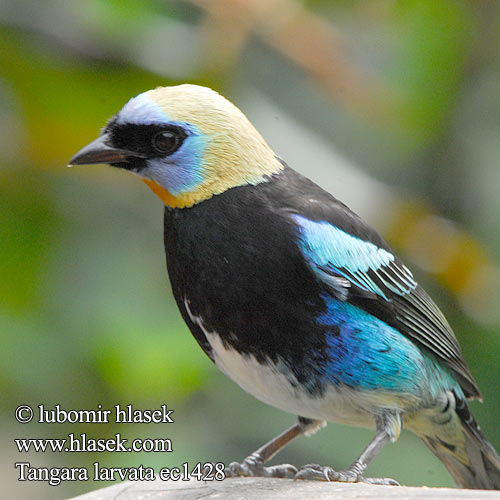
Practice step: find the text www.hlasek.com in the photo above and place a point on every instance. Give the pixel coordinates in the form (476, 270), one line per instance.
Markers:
(82, 443)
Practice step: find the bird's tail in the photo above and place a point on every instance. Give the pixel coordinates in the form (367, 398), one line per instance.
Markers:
(455, 438)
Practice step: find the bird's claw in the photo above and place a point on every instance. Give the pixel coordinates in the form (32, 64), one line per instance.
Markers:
(385, 481)
(253, 466)
(315, 472)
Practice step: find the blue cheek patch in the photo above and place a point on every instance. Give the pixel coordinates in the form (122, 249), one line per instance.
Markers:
(187, 164)
(183, 170)
(366, 353)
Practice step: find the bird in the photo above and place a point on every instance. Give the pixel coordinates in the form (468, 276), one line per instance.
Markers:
(291, 294)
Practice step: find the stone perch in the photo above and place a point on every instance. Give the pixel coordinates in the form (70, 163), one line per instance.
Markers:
(276, 489)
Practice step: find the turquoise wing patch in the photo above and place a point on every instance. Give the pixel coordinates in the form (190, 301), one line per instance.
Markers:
(342, 260)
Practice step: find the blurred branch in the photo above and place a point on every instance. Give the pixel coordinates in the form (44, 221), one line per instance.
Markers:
(304, 38)
(455, 258)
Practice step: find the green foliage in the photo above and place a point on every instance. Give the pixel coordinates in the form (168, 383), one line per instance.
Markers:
(28, 216)
(429, 61)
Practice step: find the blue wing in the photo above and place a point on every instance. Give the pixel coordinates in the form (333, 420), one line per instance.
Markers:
(367, 274)
(333, 253)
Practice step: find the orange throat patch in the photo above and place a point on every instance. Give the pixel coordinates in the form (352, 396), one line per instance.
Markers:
(165, 195)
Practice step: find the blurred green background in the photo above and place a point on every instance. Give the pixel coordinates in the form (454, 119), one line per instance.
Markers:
(394, 106)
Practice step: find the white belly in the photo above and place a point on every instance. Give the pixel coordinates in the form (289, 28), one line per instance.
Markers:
(269, 383)
(274, 384)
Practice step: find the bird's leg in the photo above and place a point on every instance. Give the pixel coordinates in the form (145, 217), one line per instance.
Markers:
(253, 465)
(388, 428)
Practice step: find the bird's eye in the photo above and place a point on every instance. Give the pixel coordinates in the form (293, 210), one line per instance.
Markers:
(166, 142)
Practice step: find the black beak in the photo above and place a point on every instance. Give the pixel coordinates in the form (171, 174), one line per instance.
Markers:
(99, 151)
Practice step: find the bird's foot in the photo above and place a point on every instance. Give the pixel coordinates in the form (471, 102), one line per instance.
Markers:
(315, 472)
(253, 466)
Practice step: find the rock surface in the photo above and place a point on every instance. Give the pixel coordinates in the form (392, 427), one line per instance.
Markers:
(275, 489)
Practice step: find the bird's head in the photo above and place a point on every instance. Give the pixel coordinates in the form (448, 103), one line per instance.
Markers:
(187, 142)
